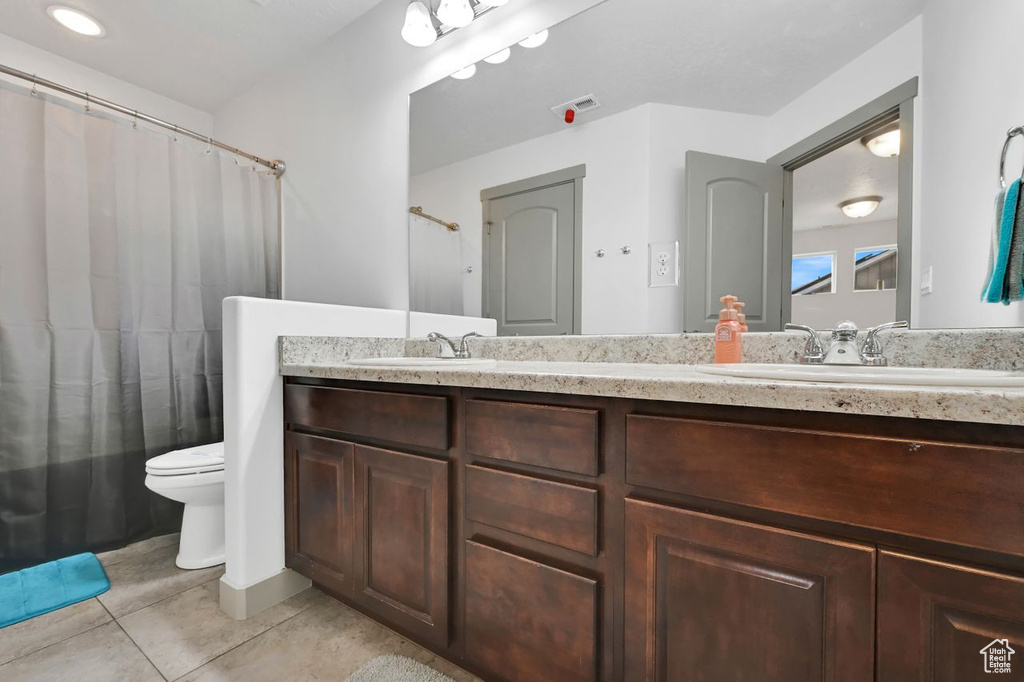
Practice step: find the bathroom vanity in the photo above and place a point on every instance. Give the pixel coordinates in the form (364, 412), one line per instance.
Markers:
(554, 535)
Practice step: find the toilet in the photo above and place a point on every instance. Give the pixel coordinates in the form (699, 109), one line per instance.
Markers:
(195, 477)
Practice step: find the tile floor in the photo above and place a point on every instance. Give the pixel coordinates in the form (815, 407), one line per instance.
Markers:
(159, 623)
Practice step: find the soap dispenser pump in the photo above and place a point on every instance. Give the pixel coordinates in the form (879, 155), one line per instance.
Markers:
(740, 316)
(728, 333)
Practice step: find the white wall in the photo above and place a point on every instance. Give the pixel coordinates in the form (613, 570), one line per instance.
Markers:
(974, 94)
(633, 194)
(24, 57)
(866, 308)
(340, 119)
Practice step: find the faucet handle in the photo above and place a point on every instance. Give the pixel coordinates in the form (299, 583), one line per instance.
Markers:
(814, 352)
(464, 347)
(871, 350)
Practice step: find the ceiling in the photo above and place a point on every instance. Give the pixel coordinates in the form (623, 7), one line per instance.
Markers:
(846, 173)
(200, 52)
(726, 55)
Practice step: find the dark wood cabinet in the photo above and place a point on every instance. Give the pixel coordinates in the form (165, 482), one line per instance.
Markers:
(402, 540)
(531, 537)
(320, 509)
(936, 621)
(709, 599)
(528, 621)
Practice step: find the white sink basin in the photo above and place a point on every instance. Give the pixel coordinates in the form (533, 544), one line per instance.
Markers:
(857, 374)
(433, 363)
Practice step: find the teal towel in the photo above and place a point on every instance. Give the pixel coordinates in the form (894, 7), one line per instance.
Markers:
(1014, 287)
(994, 292)
(47, 587)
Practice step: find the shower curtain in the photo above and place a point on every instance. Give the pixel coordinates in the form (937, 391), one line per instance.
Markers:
(117, 246)
(435, 268)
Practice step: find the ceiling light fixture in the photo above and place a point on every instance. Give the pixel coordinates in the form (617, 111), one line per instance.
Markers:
(884, 142)
(499, 57)
(463, 74)
(536, 40)
(419, 29)
(861, 207)
(76, 21)
(456, 13)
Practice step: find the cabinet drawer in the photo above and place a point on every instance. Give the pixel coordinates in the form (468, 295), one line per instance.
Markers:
(560, 514)
(417, 420)
(526, 621)
(560, 438)
(963, 494)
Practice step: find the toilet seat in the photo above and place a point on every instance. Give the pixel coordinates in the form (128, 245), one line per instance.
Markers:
(197, 460)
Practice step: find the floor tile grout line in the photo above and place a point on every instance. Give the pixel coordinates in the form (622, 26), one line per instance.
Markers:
(61, 641)
(258, 634)
(160, 600)
(144, 654)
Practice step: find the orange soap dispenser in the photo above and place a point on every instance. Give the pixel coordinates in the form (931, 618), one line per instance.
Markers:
(728, 333)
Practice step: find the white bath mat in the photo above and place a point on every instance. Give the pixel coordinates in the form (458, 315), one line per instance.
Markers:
(396, 669)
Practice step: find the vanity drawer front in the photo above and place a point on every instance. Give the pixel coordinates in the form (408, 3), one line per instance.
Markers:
(556, 513)
(416, 420)
(962, 494)
(560, 438)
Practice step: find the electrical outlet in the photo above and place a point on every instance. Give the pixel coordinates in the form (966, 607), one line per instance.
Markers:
(663, 264)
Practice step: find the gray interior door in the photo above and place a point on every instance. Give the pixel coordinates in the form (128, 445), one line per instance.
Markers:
(529, 247)
(734, 240)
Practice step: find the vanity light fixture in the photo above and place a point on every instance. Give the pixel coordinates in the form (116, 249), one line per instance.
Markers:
(466, 73)
(419, 29)
(456, 13)
(499, 57)
(535, 40)
(76, 21)
(861, 207)
(884, 142)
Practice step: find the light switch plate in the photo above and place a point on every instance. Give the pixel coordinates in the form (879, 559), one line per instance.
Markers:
(663, 264)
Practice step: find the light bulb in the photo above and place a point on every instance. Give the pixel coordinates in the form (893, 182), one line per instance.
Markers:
(463, 74)
(456, 13)
(75, 21)
(419, 30)
(499, 57)
(885, 145)
(536, 40)
(861, 207)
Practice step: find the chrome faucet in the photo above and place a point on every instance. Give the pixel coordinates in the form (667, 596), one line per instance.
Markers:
(843, 350)
(871, 351)
(814, 353)
(460, 351)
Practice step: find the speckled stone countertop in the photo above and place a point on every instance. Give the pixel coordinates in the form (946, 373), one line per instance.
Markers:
(326, 358)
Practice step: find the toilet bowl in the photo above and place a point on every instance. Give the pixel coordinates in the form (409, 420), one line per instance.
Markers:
(195, 477)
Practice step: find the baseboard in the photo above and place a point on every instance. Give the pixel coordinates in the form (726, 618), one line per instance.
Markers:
(244, 602)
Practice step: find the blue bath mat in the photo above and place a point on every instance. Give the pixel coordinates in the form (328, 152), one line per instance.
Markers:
(47, 587)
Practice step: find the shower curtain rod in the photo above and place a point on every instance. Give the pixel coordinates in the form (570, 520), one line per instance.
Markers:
(277, 167)
(418, 210)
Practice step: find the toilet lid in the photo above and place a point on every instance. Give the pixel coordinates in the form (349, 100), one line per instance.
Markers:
(199, 459)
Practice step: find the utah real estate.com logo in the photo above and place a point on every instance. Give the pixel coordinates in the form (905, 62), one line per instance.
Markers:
(997, 656)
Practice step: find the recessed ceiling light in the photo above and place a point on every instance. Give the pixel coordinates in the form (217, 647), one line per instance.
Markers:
(499, 57)
(861, 207)
(536, 40)
(76, 21)
(463, 74)
(884, 142)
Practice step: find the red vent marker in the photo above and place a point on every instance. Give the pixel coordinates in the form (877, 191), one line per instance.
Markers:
(570, 115)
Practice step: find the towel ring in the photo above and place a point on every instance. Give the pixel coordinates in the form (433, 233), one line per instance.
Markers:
(1010, 134)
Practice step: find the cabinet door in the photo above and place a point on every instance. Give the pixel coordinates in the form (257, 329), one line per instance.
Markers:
(402, 547)
(319, 510)
(712, 599)
(936, 622)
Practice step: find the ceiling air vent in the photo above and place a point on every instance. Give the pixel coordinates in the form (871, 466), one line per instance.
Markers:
(579, 105)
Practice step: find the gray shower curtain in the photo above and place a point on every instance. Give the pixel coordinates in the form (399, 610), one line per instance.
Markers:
(117, 246)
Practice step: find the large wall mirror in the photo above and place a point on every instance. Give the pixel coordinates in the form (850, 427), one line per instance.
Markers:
(623, 171)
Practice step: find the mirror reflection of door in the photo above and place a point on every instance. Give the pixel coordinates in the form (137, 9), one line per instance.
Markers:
(529, 247)
(845, 218)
